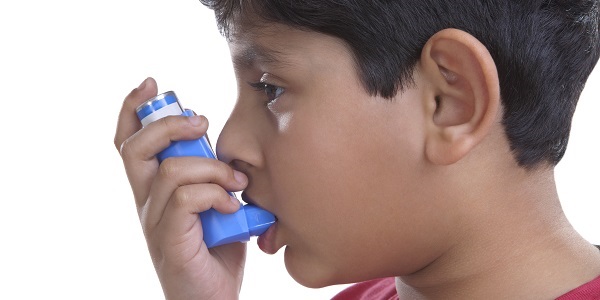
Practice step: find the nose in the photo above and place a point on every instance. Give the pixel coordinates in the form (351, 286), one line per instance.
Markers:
(238, 141)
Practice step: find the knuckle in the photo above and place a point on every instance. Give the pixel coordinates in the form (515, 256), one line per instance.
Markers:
(164, 122)
(181, 197)
(205, 195)
(125, 148)
(169, 127)
(223, 196)
(129, 104)
(168, 168)
(216, 194)
(170, 123)
(131, 101)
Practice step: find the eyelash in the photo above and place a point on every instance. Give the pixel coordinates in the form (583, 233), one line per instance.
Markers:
(268, 89)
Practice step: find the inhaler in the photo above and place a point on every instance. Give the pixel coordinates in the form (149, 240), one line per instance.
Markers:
(218, 228)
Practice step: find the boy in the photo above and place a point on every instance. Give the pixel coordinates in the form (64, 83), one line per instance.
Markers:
(406, 139)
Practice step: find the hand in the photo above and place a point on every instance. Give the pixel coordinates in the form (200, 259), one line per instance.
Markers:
(169, 197)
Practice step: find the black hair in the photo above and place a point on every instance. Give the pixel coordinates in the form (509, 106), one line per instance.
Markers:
(544, 51)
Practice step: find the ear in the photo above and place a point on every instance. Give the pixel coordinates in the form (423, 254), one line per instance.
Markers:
(462, 99)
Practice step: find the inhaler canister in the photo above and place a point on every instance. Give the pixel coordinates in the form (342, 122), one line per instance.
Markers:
(218, 228)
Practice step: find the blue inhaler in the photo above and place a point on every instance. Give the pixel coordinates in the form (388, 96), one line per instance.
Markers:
(218, 228)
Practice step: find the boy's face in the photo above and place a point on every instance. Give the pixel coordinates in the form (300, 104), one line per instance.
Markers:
(343, 171)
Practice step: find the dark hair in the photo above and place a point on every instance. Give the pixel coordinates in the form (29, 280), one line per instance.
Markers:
(544, 51)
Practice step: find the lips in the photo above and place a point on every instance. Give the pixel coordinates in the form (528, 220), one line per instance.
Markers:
(266, 241)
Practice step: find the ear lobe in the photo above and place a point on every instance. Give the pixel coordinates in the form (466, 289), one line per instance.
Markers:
(463, 97)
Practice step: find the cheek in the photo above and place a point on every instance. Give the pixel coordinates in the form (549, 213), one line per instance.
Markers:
(334, 176)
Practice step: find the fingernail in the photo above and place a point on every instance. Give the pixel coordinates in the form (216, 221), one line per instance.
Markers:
(239, 177)
(143, 84)
(195, 120)
(234, 201)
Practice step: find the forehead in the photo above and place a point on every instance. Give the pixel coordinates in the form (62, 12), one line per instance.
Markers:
(279, 46)
(250, 51)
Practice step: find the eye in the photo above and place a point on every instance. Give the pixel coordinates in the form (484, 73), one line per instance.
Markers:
(272, 92)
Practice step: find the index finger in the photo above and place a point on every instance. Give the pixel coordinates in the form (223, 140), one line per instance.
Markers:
(128, 123)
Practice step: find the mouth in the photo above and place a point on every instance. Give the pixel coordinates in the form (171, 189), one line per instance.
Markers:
(267, 241)
(248, 200)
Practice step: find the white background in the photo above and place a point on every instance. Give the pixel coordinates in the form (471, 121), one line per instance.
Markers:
(68, 226)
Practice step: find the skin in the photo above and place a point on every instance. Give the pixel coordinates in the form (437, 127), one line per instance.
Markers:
(423, 186)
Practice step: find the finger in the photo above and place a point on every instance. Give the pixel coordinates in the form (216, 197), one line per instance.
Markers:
(138, 151)
(158, 135)
(206, 135)
(186, 202)
(175, 173)
(196, 198)
(128, 122)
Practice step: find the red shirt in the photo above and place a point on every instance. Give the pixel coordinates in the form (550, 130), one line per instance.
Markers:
(385, 289)
(590, 290)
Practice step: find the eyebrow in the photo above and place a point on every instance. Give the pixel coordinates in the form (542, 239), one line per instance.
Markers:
(255, 54)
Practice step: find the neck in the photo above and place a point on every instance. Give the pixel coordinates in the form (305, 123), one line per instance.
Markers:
(514, 243)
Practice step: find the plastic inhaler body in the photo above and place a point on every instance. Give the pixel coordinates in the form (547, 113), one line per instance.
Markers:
(218, 228)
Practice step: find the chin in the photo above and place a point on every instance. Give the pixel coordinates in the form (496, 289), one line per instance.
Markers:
(309, 271)
(317, 272)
